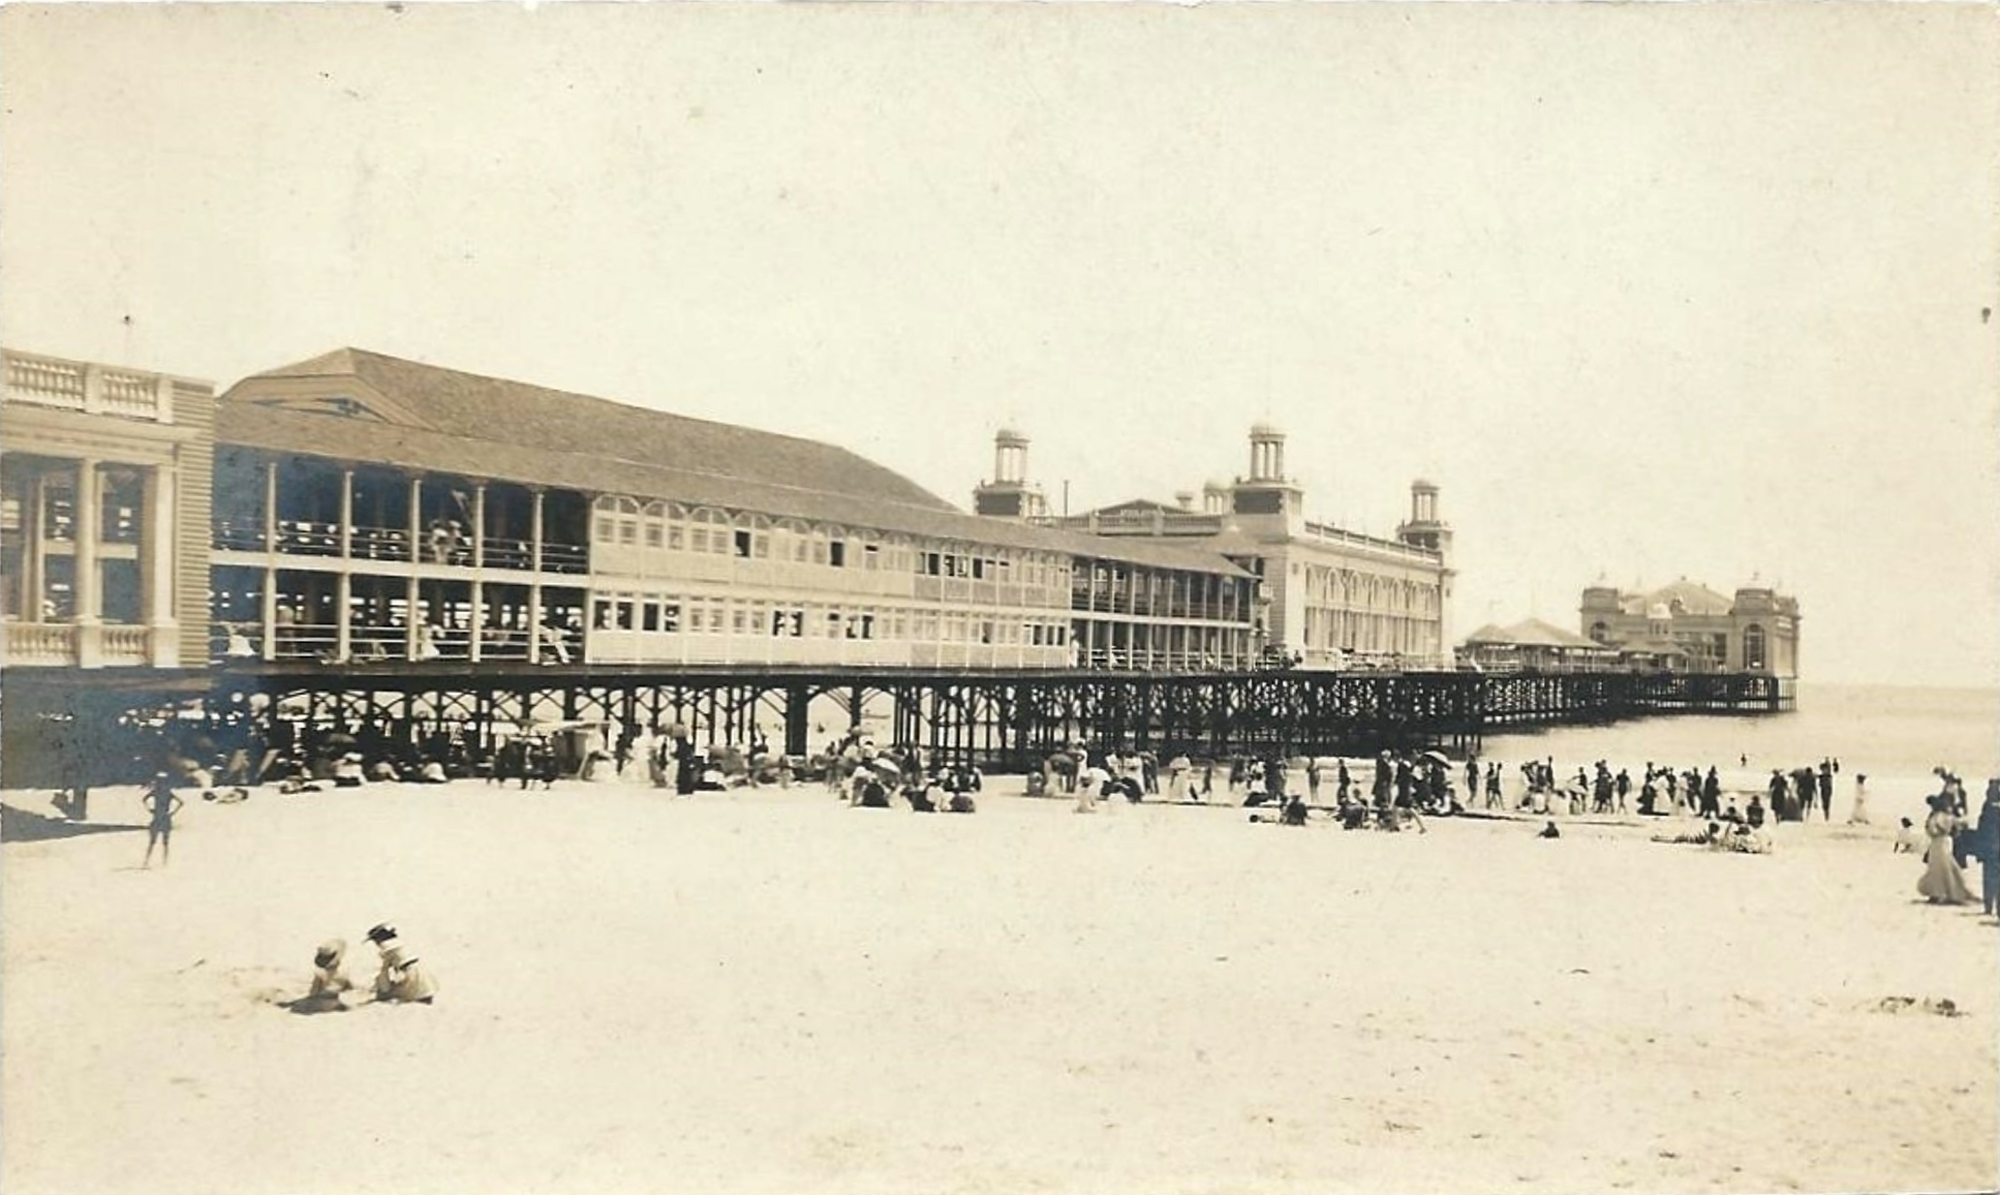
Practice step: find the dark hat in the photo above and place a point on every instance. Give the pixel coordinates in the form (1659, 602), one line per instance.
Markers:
(382, 933)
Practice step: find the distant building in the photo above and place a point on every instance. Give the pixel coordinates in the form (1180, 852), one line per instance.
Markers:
(1534, 646)
(1688, 627)
(104, 509)
(1330, 598)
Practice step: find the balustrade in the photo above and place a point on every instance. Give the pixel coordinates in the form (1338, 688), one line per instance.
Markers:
(41, 643)
(124, 644)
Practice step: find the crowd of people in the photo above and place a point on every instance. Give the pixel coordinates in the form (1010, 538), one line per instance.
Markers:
(1953, 839)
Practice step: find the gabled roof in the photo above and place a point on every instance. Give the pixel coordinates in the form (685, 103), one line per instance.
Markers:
(1532, 632)
(412, 394)
(396, 419)
(1694, 598)
(1146, 505)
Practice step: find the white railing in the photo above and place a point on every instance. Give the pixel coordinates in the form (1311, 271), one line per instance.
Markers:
(45, 382)
(120, 645)
(31, 643)
(93, 389)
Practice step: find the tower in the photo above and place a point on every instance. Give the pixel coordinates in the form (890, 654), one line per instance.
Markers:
(1267, 491)
(1424, 529)
(1008, 495)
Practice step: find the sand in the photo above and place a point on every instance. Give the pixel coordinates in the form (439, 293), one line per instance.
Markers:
(770, 992)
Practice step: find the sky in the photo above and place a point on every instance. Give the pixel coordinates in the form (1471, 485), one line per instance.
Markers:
(1649, 291)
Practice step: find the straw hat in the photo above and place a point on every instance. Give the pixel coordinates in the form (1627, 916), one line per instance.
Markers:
(330, 953)
(382, 933)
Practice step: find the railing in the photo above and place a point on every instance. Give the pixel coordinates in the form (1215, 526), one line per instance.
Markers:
(299, 537)
(228, 536)
(565, 558)
(502, 552)
(129, 394)
(40, 643)
(307, 642)
(125, 645)
(45, 382)
(93, 389)
(378, 543)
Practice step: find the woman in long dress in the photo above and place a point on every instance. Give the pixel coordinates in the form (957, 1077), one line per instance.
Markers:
(1943, 883)
(1860, 815)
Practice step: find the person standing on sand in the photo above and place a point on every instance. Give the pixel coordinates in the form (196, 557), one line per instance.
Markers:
(1986, 844)
(162, 802)
(1858, 816)
(1942, 883)
(1826, 789)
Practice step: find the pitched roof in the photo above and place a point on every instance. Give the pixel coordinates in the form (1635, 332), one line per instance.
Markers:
(1694, 598)
(536, 436)
(1532, 632)
(494, 409)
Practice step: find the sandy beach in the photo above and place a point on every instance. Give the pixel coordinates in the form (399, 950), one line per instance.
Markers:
(769, 992)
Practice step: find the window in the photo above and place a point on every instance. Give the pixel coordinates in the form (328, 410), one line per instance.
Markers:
(836, 553)
(1753, 646)
(670, 617)
(743, 544)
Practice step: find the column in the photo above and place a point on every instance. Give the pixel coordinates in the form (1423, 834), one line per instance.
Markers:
(34, 578)
(157, 552)
(271, 507)
(346, 514)
(89, 604)
(477, 619)
(417, 520)
(413, 618)
(479, 525)
(535, 579)
(343, 617)
(268, 648)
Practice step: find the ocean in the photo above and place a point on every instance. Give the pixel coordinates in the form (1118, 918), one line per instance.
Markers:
(1892, 734)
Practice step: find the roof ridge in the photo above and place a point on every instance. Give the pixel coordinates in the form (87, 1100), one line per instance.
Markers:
(576, 395)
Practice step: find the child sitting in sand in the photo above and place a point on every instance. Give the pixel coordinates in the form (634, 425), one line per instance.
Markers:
(400, 980)
(329, 982)
(1906, 839)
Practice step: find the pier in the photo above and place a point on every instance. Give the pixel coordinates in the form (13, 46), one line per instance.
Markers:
(999, 720)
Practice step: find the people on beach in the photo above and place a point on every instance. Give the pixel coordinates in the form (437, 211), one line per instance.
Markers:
(161, 802)
(330, 984)
(1549, 830)
(1986, 844)
(401, 979)
(1858, 815)
(1942, 882)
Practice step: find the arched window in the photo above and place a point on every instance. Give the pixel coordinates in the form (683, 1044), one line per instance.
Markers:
(617, 520)
(1753, 647)
(654, 527)
(708, 531)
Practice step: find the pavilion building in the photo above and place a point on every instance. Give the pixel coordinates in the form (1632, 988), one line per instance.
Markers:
(1686, 626)
(1329, 597)
(374, 509)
